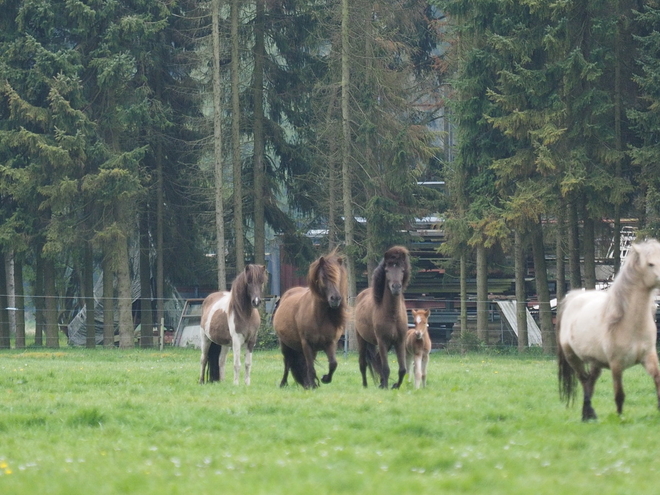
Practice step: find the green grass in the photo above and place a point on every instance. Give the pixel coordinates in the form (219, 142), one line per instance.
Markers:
(108, 421)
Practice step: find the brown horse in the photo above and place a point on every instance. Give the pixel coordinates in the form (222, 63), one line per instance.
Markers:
(380, 317)
(418, 346)
(232, 318)
(612, 329)
(311, 319)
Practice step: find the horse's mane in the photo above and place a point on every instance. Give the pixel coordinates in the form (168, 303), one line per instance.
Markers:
(620, 290)
(240, 296)
(329, 270)
(394, 254)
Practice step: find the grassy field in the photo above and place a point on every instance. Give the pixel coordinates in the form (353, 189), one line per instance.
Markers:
(108, 421)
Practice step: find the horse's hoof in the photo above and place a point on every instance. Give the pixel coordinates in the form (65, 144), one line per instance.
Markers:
(284, 384)
(326, 379)
(395, 386)
(589, 416)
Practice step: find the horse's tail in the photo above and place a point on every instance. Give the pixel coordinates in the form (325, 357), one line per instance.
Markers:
(295, 362)
(565, 372)
(374, 362)
(213, 368)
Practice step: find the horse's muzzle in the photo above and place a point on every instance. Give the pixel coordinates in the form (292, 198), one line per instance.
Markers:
(396, 289)
(334, 301)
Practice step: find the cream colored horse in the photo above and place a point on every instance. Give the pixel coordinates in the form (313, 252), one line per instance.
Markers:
(612, 329)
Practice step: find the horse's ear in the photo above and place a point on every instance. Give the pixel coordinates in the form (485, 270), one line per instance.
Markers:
(635, 252)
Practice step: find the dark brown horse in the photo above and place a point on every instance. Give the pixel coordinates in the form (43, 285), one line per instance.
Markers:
(380, 317)
(311, 319)
(231, 318)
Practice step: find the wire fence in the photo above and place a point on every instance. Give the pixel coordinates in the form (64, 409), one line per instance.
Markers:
(72, 320)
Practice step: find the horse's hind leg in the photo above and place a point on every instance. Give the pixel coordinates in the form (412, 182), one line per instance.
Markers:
(362, 353)
(285, 378)
(331, 352)
(588, 381)
(222, 360)
(205, 345)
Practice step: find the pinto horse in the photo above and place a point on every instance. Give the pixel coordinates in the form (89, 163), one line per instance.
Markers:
(380, 317)
(418, 346)
(311, 319)
(612, 329)
(231, 318)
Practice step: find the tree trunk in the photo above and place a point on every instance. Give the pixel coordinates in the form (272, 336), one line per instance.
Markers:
(217, 147)
(258, 130)
(108, 298)
(236, 140)
(561, 253)
(345, 164)
(543, 294)
(160, 254)
(146, 317)
(10, 286)
(39, 301)
(618, 138)
(589, 252)
(124, 294)
(573, 246)
(482, 294)
(333, 173)
(5, 341)
(463, 289)
(521, 295)
(50, 297)
(88, 294)
(20, 303)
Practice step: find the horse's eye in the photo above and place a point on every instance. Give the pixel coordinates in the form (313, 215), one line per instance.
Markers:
(651, 265)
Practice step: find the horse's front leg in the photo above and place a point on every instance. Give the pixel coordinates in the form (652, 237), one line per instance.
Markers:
(222, 360)
(310, 356)
(401, 357)
(651, 366)
(331, 352)
(409, 362)
(236, 348)
(418, 371)
(617, 382)
(385, 366)
(248, 365)
(425, 364)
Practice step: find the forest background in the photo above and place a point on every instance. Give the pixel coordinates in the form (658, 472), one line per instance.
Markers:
(181, 130)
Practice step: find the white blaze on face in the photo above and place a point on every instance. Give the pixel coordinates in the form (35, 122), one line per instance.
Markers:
(418, 319)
